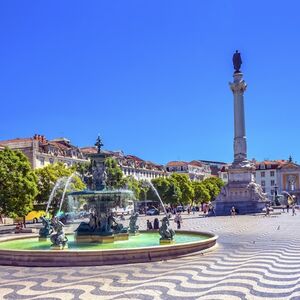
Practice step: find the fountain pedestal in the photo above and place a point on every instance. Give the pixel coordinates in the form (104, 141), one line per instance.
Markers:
(42, 239)
(166, 241)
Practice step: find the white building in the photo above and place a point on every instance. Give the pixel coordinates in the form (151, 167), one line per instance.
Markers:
(194, 169)
(283, 175)
(132, 165)
(42, 152)
(266, 174)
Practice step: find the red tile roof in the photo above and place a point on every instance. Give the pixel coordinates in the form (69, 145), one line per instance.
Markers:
(89, 150)
(270, 164)
(196, 163)
(176, 163)
(7, 142)
(133, 157)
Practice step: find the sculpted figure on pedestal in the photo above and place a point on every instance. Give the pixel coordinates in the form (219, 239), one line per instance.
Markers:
(256, 191)
(237, 61)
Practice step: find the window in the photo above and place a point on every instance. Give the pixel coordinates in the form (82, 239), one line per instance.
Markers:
(42, 161)
(262, 174)
(51, 160)
(272, 182)
(272, 173)
(263, 183)
(272, 192)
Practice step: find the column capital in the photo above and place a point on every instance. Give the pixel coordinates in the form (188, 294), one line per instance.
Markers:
(238, 85)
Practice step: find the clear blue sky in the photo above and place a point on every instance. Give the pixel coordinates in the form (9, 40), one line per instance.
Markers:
(151, 76)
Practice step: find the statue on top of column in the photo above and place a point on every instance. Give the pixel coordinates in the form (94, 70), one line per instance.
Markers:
(99, 144)
(237, 61)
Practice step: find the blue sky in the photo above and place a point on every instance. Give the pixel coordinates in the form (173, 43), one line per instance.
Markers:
(151, 76)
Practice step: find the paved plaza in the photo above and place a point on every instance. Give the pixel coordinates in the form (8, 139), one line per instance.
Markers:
(257, 257)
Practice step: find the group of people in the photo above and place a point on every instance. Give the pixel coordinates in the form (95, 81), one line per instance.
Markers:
(155, 225)
(288, 209)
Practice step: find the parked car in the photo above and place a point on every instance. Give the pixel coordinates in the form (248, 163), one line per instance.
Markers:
(180, 209)
(152, 212)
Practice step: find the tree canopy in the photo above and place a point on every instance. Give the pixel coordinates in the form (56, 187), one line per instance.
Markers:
(115, 177)
(201, 193)
(213, 185)
(168, 189)
(185, 186)
(179, 189)
(47, 178)
(18, 183)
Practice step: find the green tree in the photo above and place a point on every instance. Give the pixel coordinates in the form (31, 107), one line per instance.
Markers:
(185, 186)
(168, 190)
(82, 168)
(144, 190)
(115, 177)
(213, 185)
(201, 193)
(133, 185)
(47, 178)
(18, 184)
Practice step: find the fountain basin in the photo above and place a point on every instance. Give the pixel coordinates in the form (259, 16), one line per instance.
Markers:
(140, 248)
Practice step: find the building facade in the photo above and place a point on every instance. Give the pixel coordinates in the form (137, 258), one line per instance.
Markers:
(42, 152)
(196, 170)
(272, 175)
(132, 165)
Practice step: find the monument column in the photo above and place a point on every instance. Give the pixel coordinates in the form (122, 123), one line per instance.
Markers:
(238, 87)
(241, 191)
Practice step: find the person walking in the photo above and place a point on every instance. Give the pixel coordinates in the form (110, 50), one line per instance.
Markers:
(149, 225)
(178, 220)
(287, 208)
(233, 211)
(294, 210)
(267, 210)
(156, 224)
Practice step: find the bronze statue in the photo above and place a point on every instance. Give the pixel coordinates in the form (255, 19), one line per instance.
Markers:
(98, 144)
(47, 229)
(58, 237)
(165, 231)
(133, 228)
(237, 61)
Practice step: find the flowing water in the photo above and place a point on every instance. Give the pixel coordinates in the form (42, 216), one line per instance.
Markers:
(56, 186)
(65, 190)
(157, 194)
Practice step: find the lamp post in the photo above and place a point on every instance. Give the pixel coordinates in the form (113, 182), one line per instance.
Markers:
(276, 195)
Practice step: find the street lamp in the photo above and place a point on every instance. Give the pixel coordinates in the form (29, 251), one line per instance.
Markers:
(276, 197)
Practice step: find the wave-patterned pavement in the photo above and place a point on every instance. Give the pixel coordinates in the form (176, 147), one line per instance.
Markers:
(256, 258)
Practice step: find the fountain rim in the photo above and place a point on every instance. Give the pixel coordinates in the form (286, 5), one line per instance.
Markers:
(80, 258)
(211, 237)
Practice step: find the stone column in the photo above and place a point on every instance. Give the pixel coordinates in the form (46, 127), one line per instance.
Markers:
(238, 87)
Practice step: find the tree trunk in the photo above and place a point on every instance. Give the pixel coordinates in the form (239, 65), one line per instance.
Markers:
(24, 222)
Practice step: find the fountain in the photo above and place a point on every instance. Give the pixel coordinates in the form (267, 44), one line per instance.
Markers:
(102, 239)
(56, 186)
(65, 190)
(158, 196)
